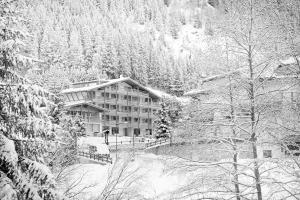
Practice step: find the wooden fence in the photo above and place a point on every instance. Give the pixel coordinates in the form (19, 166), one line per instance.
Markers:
(156, 142)
(97, 157)
(130, 141)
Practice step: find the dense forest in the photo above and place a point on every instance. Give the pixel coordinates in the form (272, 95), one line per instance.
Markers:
(170, 44)
(163, 44)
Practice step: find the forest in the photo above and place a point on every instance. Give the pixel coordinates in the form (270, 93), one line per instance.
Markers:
(176, 46)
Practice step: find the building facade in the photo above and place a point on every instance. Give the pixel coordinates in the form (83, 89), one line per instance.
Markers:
(224, 106)
(90, 113)
(129, 107)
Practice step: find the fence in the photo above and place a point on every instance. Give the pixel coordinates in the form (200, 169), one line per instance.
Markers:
(97, 157)
(130, 141)
(156, 142)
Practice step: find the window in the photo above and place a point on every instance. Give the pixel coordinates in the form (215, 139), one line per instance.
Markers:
(103, 94)
(154, 111)
(148, 131)
(126, 108)
(106, 117)
(135, 98)
(145, 120)
(146, 100)
(136, 131)
(127, 88)
(114, 87)
(136, 119)
(114, 118)
(113, 107)
(126, 119)
(70, 97)
(113, 96)
(91, 94)
(115, 130)
(267, 153)
(136, 109)
(107, 106)
(293, 97)
(145, 110)
(79, 95)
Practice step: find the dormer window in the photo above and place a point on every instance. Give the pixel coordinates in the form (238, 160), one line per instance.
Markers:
(91, 95)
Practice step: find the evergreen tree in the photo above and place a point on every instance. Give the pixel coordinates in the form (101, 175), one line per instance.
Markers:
(109, 60)
(163, 123)
(27, 129)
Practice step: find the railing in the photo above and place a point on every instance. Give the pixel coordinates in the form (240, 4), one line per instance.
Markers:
(156, 142)
(130, 141)
(97, 157)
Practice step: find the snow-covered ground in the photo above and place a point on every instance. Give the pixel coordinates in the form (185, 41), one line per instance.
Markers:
(148, 173)
(151, 176)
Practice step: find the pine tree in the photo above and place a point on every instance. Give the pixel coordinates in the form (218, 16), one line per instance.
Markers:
(26, 126)
(163, 123)
(109, 60)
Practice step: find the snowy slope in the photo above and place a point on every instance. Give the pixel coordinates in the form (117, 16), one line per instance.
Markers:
(162, 177)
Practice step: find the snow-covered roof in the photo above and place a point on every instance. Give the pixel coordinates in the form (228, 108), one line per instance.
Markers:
(195, 92)
(205, 90)
(290, 60)
(184, 100)
(220, 76)
(159, 93)
(111, 82)
(79, 103)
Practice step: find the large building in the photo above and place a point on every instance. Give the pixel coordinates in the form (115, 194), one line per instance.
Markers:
(277, 99)
(123, 105)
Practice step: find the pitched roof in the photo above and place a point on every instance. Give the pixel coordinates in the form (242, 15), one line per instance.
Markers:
(195, 92)
(111, 82)
(159, 93)
(207, 88)
(79, 103)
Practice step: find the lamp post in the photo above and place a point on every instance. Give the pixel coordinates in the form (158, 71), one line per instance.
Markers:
(117, 124)
(106, 132)
(133, 157)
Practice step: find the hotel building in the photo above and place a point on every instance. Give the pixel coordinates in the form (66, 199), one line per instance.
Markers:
(122, 106)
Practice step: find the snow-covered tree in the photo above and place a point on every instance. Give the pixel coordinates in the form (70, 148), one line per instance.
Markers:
(27, 129)
(163, 122)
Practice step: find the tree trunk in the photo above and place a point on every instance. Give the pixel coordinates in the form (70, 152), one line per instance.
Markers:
(253, 131)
